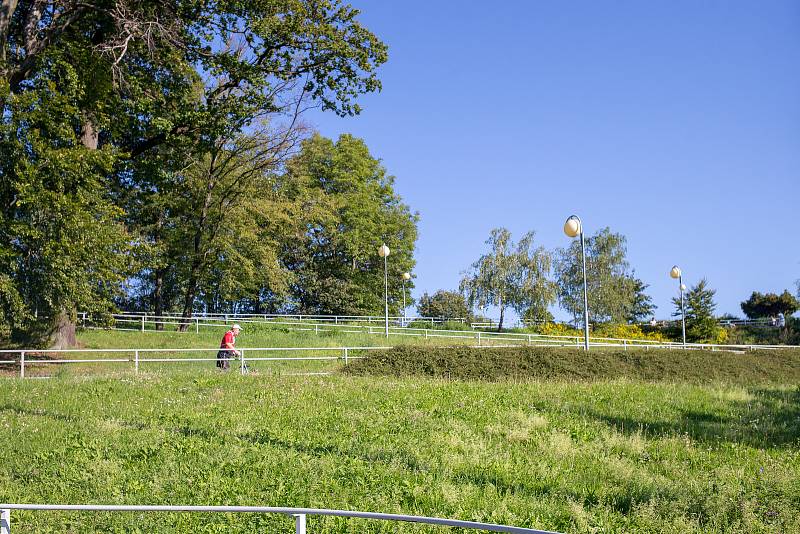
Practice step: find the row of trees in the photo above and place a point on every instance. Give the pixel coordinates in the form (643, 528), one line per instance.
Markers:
(149, 156)
(529, 279)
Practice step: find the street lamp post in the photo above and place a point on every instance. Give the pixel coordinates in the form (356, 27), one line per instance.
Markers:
(383, 252)
(573, 227)
(676, 273)
(406, 276)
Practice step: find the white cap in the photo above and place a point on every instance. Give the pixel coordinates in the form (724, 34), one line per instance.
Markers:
(236, 326)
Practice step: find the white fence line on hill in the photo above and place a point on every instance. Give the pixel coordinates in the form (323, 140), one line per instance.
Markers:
(299, 514)
(479, 337)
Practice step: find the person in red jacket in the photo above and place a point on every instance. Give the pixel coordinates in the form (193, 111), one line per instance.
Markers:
(227, 350)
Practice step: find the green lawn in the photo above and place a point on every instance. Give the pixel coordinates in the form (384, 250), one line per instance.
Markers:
(586, 453)
(604, 456)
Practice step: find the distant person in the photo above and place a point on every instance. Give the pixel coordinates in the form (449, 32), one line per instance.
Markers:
(781, 321)
(773, 321)
(227, 348)
(653, 322)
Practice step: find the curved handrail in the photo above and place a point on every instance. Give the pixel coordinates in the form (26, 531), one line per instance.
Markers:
(475, 525)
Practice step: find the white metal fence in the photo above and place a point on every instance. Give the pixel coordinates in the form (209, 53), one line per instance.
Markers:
(139, 357)
(298, 317)
(144, 322)
(299, 514)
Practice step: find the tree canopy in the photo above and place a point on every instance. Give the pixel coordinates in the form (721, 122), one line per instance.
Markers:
(510, 275)
(443, 304)
(615, 294)
(770, 305)
(124, 125)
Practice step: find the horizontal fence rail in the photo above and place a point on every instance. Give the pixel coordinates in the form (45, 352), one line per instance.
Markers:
(265, 317)
(480, 337)
(299, 514)
(139, 356)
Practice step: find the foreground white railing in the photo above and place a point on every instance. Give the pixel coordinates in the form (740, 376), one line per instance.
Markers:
(299, 515)
(344, 354)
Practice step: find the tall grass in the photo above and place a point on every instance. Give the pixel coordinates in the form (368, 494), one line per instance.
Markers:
(605, 456)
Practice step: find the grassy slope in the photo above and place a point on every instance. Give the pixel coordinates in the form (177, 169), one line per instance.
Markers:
(615, 455)
(619, 456)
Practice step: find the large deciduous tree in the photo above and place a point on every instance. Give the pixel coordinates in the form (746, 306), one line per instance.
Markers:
(444, 304)
(510, 275)
(614, 293)
(770, 305)
(115, 103)
(348, 209)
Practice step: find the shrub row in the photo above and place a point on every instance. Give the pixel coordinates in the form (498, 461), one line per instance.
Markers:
(521, 363)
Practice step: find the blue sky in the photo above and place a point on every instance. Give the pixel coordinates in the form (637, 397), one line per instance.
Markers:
(674, 123)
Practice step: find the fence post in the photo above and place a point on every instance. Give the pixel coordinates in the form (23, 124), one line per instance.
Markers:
(300, 523)
(143, 318)
(479, 338)
(316, 329)
(196, 325)
(529, 339)
(345, 355)
(426, 333)
(136, 361)
(625, 344)
(22, 364)
(5, 521)
(241, 357)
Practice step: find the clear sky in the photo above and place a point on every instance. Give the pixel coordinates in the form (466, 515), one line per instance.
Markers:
(675, 123)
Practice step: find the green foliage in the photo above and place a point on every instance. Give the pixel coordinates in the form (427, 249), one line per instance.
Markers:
(444, 304)
(536, 315)
(701, 325)
(119, 115)
(770, 305)
(614, 293)
(510, 275)
(64, 243)
(637, 363)
(349, 209)
(641, 305)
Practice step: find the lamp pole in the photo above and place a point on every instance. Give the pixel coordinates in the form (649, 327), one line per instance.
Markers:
(406, 276)
(384, 251)
(574, 227)
(676, 273)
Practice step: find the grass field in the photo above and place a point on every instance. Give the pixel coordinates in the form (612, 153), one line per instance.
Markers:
(590, 455)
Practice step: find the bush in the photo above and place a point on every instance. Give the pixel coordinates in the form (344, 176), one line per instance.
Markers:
(627, 331)
(465, 363)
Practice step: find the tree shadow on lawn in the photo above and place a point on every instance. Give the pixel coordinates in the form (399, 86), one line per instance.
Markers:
(770, 420)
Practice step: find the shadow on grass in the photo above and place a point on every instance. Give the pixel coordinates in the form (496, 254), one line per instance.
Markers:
(770, 419)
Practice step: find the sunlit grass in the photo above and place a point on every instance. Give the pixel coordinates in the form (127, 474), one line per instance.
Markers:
(608, 456)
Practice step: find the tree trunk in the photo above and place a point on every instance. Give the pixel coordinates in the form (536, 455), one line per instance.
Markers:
(502, 313)
(89, 135)
(62, 332)
(158, 297)
(188, 302)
